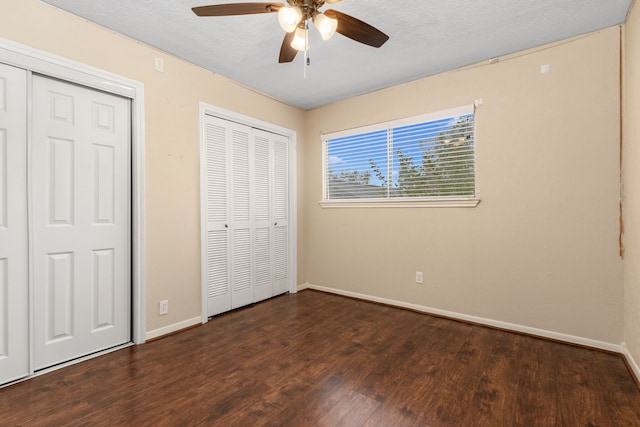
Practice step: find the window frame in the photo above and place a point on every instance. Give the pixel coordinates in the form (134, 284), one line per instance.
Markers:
(402, 202)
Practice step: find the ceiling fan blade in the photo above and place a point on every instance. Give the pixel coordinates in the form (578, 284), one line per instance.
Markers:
(357, 30)
(287, 53)
(236, 9)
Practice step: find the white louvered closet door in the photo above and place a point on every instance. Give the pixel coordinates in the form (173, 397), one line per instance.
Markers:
(240, 224)
(216, 275)
(246, 202)
(262, 215)
(280, 192)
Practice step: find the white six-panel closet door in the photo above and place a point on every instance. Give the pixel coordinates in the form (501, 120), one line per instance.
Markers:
(14, 307)
(80, 180)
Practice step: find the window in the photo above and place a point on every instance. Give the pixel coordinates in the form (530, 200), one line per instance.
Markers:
(428, 159)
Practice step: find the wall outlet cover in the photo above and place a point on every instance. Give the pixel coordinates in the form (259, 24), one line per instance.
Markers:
(163, 308)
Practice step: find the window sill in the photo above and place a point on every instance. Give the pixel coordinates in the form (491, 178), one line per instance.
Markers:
(401, 203)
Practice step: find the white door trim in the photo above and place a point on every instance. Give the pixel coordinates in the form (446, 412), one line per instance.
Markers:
(38, 61)
(207, 109)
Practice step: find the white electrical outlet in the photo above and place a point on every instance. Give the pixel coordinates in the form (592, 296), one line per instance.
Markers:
(164, 307)
(159, 65)
(419, 277)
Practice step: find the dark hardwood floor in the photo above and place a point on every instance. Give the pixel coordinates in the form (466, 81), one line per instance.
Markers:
(315, 359)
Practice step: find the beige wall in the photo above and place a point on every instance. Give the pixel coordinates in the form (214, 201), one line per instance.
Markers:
(541, 249)
(631, 167)
(171, 124)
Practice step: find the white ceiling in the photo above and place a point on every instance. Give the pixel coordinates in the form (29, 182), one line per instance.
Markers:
(426, 37)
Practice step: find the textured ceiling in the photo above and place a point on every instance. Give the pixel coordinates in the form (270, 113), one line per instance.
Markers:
(426, 37)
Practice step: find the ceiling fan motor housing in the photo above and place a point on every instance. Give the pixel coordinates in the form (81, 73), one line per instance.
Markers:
(309, 8)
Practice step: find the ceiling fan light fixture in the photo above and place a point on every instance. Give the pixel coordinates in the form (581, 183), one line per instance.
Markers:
(325, 25)
(300, 40)
(289, 18)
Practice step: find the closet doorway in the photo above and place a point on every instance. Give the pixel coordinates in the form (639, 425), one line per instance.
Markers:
(71, 283)
(247, 209)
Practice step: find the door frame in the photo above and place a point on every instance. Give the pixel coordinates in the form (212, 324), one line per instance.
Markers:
(37, 61)
(212, 110)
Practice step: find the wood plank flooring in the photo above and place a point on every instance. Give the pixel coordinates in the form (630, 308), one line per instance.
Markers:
(315, 359)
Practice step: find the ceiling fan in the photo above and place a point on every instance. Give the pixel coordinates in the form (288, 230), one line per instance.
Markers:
(294, 19)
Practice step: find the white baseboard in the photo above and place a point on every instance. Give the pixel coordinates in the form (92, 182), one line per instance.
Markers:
(480, 320)
(173, 328)
(303, 286)
(631, 361)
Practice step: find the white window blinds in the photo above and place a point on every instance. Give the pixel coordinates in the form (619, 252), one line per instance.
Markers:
(426, 157)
